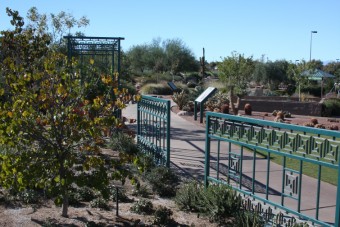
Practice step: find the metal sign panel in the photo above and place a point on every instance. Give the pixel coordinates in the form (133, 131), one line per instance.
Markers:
(206, 94)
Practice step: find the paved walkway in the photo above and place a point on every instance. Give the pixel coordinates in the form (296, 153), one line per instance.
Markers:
(187, 157)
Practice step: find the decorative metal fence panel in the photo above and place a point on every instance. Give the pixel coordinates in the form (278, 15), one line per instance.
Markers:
(239, 151)
(153, 132)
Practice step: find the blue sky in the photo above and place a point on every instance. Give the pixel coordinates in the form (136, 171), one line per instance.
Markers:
(277, 29)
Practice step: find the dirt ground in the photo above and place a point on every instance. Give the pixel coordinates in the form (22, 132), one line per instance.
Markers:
(48, 214)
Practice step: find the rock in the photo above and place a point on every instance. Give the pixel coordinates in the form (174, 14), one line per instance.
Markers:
(183, 113)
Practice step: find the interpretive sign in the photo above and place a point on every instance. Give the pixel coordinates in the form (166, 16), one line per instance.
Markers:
(172, 86)
(206, 94)
(201, 99)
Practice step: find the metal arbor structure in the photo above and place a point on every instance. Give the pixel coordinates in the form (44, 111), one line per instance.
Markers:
(107, 49)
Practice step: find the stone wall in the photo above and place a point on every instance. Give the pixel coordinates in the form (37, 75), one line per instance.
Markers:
(266, 104)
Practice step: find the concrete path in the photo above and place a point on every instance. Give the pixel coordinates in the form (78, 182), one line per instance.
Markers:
(187, 158)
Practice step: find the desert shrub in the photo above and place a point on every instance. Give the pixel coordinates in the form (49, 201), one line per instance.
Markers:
(181, 99)
(220, 202)
(143, 206)
(331, 107)
(86, 194)
(100, 203)
(191, 85)
(156, 89)
(216, 101)
(142, 191)
(162, 216)
(74, 198)
(122, 197)
(188, 196)
(247, 218)
(123, 142)
(29, 196)
(314, 90)
(163, 181)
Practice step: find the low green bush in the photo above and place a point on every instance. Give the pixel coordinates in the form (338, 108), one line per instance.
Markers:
(100, 203)
(181, 99)
(218, 202)
(156, 89)
(162, 217)
(247, 218)
(314, 90)
(331, 107)
(122, 197)
(29, 196)
(122, 142)
(143, 206)
(163, 181)
(142, 191)
(188, 196)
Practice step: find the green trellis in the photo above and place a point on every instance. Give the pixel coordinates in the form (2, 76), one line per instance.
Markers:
(107, 51)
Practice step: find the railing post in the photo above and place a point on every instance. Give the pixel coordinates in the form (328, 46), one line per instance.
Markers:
(207, 152)
(337, 211)
(168, 134)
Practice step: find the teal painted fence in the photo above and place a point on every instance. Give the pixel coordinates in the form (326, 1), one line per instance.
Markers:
(153, 128)
(239, 152)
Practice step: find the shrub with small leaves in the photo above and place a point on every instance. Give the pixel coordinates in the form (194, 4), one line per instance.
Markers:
(74, 198)
(122, 142)
(181, 99)
(188, 196)
(86, 194)
(143, 206)
(122, 197)
(246, 218)
(100, 203)
(220, 202)
(162, 216)
(29, 196)
(141, 191)
(163, 181)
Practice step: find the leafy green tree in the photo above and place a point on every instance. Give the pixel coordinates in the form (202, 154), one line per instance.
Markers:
(179, 57)
(56, 25)
(50, 127)
(276, 73)
(235, 72)
(137, 57)
(171, 55)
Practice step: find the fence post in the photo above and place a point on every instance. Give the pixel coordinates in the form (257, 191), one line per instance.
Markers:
(207, 152)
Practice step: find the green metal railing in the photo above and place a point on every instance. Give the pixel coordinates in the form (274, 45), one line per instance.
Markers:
(239, 151)
(153, 132)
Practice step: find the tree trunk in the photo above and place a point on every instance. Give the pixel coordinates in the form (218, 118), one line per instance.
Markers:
(62, 173)
(65, 205)
(231, 101)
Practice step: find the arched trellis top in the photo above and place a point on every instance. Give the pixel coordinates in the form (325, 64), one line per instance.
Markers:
(109, 47)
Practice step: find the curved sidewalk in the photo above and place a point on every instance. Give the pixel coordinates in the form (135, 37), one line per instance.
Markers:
(187, 157)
